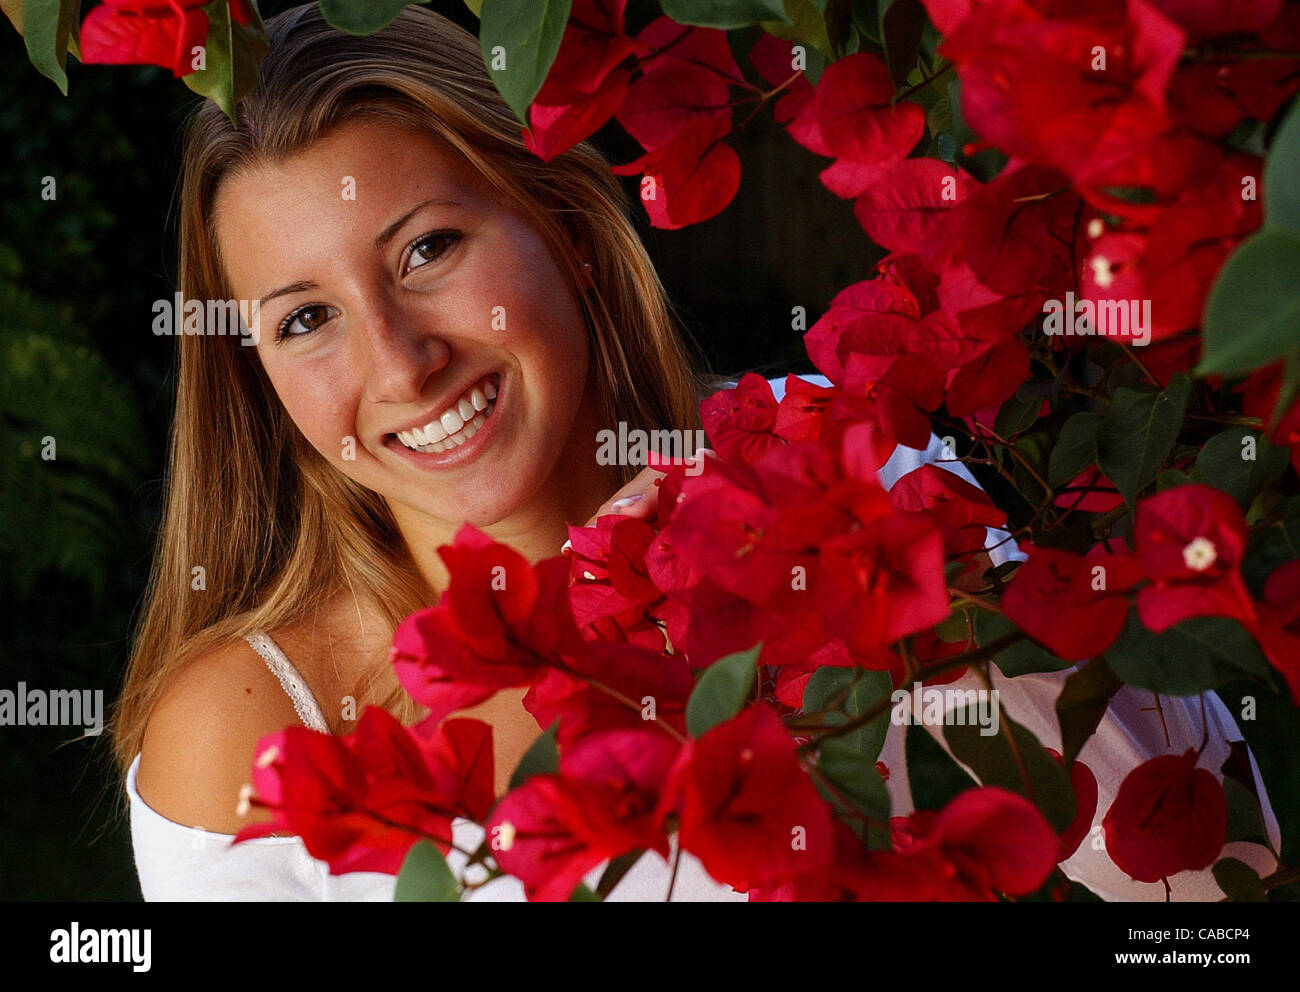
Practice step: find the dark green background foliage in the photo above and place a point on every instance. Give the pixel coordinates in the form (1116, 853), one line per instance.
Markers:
(78, 362)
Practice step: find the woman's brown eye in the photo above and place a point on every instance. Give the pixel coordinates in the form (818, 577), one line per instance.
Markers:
(312, 317)
(430, 248)
(304, 321)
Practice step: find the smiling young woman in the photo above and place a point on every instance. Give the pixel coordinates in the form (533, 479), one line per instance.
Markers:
(446, 323)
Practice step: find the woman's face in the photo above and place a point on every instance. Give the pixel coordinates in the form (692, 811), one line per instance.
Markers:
(419, 332)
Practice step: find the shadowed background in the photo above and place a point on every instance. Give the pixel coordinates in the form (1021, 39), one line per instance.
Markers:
(79, 363)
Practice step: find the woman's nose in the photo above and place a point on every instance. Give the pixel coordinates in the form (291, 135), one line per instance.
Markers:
(400, 354)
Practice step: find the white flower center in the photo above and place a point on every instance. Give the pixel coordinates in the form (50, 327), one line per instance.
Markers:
(1101, 273)
(1200, 554)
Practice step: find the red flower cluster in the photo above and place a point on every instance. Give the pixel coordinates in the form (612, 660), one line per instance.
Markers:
(674, 100)
(150, 32)
(505, 623)
(1103, 94)
(359, 802)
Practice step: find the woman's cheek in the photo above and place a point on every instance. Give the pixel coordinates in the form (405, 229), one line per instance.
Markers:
(326, 424)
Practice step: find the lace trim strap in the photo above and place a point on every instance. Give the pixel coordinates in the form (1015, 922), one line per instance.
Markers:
(304, 702)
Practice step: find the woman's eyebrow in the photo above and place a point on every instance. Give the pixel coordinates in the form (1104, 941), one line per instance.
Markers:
(295, 287)
(384, 237)
(396, 225)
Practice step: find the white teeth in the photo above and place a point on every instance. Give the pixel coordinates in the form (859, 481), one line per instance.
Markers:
(452, 422)
(457, 424)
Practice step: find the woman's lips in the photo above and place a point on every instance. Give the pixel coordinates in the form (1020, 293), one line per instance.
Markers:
(460, 432)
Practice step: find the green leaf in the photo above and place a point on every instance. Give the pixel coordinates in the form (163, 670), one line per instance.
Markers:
(543, 758)
(1076, 448)
(361, 17)
(13, 9)
(1271, 725)
(1083, 702)
(232, 54)
(1222, 464)
(993, 760)
(1016, 415)
(854, 774)
(1140, 428)
(804, 25)
(475, 7)
(1020, 658)
(583, 894)
(725, 14)
(1252, 316)
(47, 28)
(1287, 392)
(425, 876)
(1282, 174)
(934, 777)
(615, 870)
(722, 691)
(1275, 545)
(901, 25)
(865, 16)
(867, 691)
(520, 39)
(1239, 881)
(1188, 658)
(1245, 819)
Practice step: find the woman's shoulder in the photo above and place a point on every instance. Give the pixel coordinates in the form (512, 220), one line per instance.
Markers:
(201, 737)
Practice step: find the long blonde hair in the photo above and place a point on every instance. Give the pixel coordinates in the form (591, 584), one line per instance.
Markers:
(277, 529)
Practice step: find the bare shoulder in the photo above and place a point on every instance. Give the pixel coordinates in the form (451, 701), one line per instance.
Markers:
(201, 738)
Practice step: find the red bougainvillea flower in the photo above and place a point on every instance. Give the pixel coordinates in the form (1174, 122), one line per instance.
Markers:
(903, 208)
(1081, 89)
(1278, 629)
(797, 107)
(686, 76)
(746, 807)
(690, 179)
(148, 32)
(1190, 540)
(612, 597)
(962, 510)
(607, 688)
(1259, 398)
(844, 878)
(1074, 606)
(603, 802)
(1168, 816)
(587, 84)
(502, 622)
(1084, 783)
(878, 583)
(857, 114)
(984, 842)
(359, 802)
(1170, 253)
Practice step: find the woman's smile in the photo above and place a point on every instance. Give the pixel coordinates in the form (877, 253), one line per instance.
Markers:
(457, 433)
